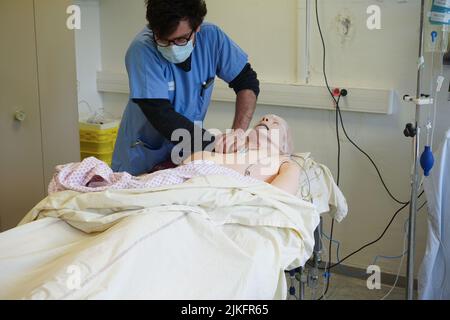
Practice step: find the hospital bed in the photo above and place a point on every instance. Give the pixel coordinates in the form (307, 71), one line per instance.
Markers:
(210, 238)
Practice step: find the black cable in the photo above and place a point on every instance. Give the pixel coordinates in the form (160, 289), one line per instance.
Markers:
(375, 241)
(338, 179)
(379, 238)
(330, 247)
(324, 60)
(372, 242)
(339, 110)
(426, 202)
(368, 157)
(338, 136)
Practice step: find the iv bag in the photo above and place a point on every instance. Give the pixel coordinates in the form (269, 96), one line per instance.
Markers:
(440, 12)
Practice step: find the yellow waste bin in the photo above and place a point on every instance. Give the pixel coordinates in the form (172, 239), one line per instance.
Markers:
(98, 140)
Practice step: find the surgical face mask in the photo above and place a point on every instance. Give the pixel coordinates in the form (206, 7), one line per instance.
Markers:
(177, 54)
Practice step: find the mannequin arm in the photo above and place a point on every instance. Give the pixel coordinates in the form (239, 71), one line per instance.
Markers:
(288, 178)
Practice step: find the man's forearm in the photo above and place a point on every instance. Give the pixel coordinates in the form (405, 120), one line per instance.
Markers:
(161, 114)
(245, 108)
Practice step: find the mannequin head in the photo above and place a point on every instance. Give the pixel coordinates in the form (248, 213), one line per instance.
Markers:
(271, 132)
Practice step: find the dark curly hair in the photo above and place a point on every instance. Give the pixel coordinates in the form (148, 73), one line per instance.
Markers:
(164, 16)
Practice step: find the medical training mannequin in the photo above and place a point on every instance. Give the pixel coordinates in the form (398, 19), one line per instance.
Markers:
(266, 155)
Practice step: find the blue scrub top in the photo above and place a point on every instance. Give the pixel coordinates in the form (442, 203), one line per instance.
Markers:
(151, 76)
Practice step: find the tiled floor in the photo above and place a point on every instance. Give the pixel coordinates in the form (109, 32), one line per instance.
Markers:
(348, 288)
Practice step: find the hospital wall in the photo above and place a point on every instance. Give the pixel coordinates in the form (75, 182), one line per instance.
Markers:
(382, 59)
(88, 54)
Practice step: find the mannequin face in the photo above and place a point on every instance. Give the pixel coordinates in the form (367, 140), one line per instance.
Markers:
(271, 133)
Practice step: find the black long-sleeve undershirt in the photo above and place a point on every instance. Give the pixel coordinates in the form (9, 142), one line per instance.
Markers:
(162, 115)
(247, 79)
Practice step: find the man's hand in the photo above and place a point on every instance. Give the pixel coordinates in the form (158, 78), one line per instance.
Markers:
(230, 142)
(236, 140)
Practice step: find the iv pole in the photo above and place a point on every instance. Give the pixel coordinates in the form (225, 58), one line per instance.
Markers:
(414, 132)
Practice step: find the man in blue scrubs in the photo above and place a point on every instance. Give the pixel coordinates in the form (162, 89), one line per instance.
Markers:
(171, 66)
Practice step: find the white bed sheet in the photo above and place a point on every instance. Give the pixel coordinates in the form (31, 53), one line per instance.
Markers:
(236, 262)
